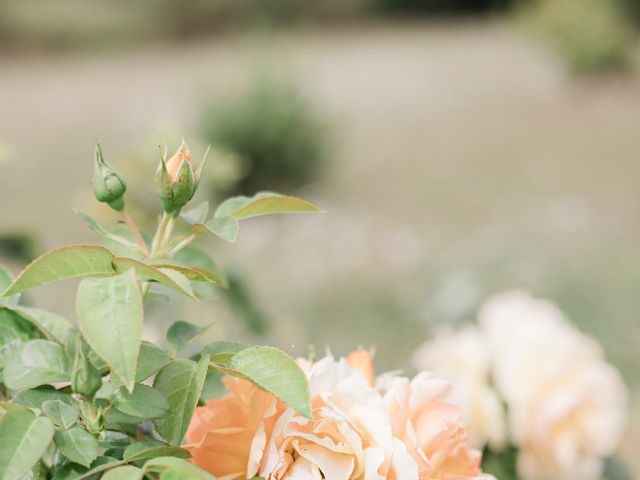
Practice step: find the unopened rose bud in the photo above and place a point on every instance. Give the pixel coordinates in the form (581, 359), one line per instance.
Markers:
(85, 378)
(176, 182)
(108, 185)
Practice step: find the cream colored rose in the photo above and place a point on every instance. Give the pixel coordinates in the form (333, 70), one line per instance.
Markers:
(567, 406)
(430, 430)
(464, 358)
(349, 436)
(399, 429)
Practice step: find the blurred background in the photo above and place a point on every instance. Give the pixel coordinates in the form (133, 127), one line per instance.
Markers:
(460, 147)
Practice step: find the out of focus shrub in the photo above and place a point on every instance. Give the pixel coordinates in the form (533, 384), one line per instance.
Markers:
(592, 36)
(18, 246)
(274, 132)
(443, 6)
(78, 24)
(631, 8)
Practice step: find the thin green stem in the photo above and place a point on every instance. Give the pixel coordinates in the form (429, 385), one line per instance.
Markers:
(144, 289)
(136, 232)
(166, 238)
(183, 244)
(159, 236)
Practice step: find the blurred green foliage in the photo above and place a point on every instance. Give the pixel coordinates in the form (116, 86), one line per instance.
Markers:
(274, 132)
(18, 246)
(444, 6)
(243, 304)
(502, 464)
(630, 8)
(592, 36)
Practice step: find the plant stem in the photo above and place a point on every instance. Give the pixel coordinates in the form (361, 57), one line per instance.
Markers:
(135, 231)
(159, 236)
(144, 289)
(166, 238)
(183, 244)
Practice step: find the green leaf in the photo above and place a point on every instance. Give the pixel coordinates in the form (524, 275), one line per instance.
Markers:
(61, 413)
(37, 362)
(181, 381)
(179, 279)
(180, 334)
(96, 361)
(114, 439)
(73, 471)
(197, 259)
(77, 445)
(125, 472)
(53, 326)
(91, 223)
(221, 352)
(273, 203)
(96, 227)
(115, 418)
(62, 263)
(23, 440)
(146, 450)
(230, 205)
(152, 273)
(110, 317)
(6, 279)
(195, 273)
(275, 372)
(152, 359)
(179, 468)
(86, 380)
(144, 401)
(104, 392)
(213, 386)
(225, 228)
(196, 214)
(15, 331)
(34, 398)
(6, 407)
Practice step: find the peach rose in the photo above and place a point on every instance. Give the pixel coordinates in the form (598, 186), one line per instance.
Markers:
(567, 406)
(227, 437)
(395, 430)
(464, 358)
(430, 428)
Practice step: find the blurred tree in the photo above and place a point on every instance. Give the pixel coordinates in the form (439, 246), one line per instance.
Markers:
(592, 36)
(445, 6)
(21, 247)
(274, 131)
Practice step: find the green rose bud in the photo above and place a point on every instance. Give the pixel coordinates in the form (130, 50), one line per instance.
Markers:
(85, 378)
(176, 181)
(108, 185)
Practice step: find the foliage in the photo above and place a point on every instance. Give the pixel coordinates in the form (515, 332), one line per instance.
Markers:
(591, 35)
(273, 131)
(95, 398)
(443, 6)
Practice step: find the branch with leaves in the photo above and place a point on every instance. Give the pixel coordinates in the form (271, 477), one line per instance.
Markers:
(95, 399)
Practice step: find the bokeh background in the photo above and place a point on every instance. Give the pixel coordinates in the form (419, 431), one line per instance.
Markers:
(460, 147)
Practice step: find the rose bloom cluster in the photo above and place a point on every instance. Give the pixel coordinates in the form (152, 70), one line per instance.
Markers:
(566, 408)
(364, 428)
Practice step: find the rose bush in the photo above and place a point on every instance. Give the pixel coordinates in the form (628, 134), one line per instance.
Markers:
(94, 399)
